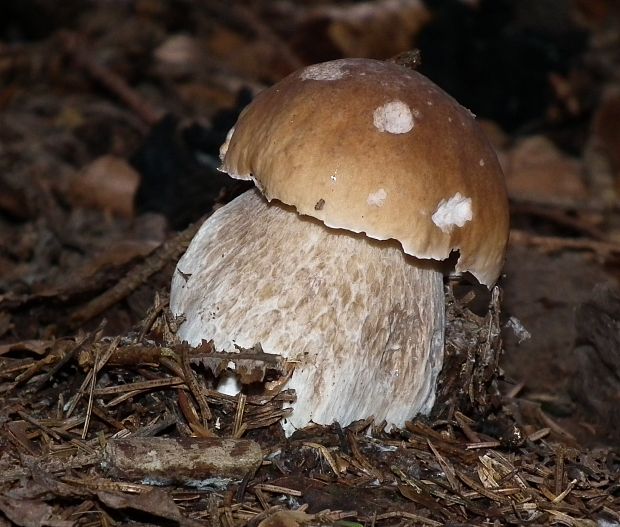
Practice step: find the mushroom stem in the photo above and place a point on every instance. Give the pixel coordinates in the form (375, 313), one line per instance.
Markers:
(362, 322)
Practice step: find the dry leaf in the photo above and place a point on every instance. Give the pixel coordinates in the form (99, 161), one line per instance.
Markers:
(286, 519)
(369, 29)
(26, 513)
(108, 183)
(40, 347)
(536, 170)
(156, 502)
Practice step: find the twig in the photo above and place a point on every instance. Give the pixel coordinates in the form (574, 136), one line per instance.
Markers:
(239, 427)
(79, 342)
(99, 363)
(554, 243)
(139, 386)
(73, 402)
(158, 306)
(195, 388)
(169, 251)
(277, 489)
(262, 30)
(74, 45)
(559, 217)
(326, 455)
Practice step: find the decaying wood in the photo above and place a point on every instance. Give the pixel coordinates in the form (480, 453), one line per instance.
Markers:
(181, 460)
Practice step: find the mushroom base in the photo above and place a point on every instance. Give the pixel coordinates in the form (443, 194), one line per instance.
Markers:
(362, 322)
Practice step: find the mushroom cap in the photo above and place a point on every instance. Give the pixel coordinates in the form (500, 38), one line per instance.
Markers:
(373, 147)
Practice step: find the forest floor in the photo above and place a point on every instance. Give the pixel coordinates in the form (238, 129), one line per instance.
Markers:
(111, 118)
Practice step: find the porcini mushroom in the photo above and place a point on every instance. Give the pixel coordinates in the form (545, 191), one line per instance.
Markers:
(367, 174)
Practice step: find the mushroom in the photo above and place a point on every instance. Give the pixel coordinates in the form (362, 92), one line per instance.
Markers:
(367, 176)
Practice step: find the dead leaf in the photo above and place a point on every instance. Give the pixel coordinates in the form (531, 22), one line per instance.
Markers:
(368, 29)
(286, 519)
(156, 502)
(39, 347)
(108, 183)
(536, 170)
(26, 513)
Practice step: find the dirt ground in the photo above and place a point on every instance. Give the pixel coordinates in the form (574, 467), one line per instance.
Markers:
(111, 118)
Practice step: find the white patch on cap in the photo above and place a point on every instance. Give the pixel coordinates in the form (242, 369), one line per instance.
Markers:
(452, 212)
(224, 147)
(377, 199)
(481, 162)
(394, 117)
(327, 71)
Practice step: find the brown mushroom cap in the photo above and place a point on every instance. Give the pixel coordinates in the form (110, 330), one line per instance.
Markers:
(372, 147)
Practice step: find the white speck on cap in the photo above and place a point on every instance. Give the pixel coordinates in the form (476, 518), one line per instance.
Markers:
(328, 71)
(452, 212)
(481, 162)
(394, 117)
(377, 199)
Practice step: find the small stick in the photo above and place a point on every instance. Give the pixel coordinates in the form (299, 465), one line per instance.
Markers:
(555, 244)
(79, 342)
(467, 430)
(326, 455)
(483, 444)
(239, 428)
(559, 218)
(99, 363)
(195, 388)
(170, 250)
(277, 489)
(110, 80)
(539, 434)
(159, 306)
(250, 19)
(139, 386)
(559, 471)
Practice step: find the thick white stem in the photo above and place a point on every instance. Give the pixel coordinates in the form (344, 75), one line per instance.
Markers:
(362, 322)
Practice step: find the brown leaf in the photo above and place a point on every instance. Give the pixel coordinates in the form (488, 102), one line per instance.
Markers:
(536, 170)
(286, 519)
(26, 513)
(156, 502)
(368, 29)
(40, 347)
(108, 183)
